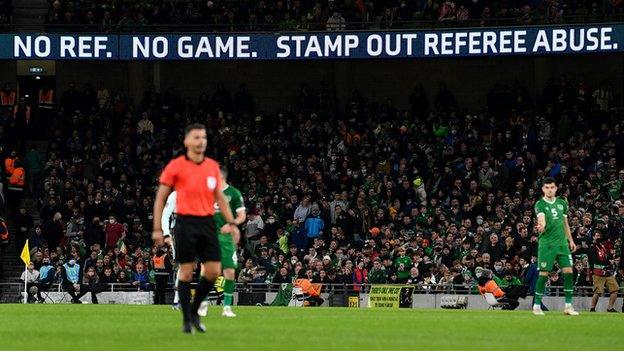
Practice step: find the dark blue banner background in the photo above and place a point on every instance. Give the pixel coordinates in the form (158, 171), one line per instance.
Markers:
(324, 45)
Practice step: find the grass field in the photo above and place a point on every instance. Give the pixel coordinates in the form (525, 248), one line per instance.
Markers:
(122, 327)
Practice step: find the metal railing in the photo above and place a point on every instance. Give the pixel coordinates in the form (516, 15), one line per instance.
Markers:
(418, 289)
(332, 288)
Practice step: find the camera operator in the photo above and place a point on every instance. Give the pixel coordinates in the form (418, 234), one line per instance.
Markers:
(600, 261)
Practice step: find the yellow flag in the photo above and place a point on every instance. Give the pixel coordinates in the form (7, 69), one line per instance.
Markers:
(25, 255)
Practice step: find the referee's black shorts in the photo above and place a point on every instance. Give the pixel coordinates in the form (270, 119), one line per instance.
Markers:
(196, 238)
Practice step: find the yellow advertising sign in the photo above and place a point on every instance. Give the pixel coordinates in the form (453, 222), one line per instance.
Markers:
(386, 296)
(354, 301)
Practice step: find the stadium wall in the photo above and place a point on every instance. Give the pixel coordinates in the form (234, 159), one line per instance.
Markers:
(476, 302)
(431, 301)
(468, 78)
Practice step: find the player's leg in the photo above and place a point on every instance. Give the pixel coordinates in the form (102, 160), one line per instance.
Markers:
(229, 264)
(564, 258)
(545, 261)
(210, 271)
(176, 296)
(228, 292)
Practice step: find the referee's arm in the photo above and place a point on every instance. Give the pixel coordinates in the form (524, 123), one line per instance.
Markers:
(159, 204)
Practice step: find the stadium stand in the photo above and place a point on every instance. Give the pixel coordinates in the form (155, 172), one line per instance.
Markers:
(331, 15)
(421, 196)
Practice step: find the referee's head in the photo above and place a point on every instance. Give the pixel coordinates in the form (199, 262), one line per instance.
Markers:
(195, 138)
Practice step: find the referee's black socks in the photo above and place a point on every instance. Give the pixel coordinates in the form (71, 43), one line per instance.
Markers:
(184, 294)
(203, 288)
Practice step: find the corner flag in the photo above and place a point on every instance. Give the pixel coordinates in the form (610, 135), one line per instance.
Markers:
(25, 255)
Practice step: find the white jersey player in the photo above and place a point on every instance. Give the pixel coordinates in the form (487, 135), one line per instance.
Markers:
(168, 221)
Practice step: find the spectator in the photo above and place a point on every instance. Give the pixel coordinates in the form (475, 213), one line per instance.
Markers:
(600, 261)
(108, 277)
(23, 223)
(47, 277)
(246, 274)
(122, 277)
(487, 285)
(91, 261)
(403, 265)
(253, 228)
(145, 125)
(360, 276)
(282, 277)
(265, 262)
(377, 275)
(90, 281)
(31, 278)
(414, 276)
(303, 210)
(52, 230)
(263, 245)
(16, 185)
(509, 279)
(113, 232)
(314, 224)
(336, 22)
(71, 281)
(140, 278)
(260, 275)
(494, 249)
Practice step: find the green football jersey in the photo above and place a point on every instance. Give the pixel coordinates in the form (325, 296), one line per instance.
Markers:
(235, 199)
(554, 233)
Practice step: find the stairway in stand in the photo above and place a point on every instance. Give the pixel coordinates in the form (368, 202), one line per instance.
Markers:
(12, 270)
(11, 262)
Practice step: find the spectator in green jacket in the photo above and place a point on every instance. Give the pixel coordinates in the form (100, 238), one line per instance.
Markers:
(403, 265)
(377, 275)
(509, 279)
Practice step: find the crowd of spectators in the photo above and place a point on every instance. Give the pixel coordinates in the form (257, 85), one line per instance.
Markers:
(6, 9)
(242, 15)
(374, 194)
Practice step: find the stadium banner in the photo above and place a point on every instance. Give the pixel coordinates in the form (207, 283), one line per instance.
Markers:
(390, 296)
(324, 45)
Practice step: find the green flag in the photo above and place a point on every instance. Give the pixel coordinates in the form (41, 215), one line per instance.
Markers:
(284, 295)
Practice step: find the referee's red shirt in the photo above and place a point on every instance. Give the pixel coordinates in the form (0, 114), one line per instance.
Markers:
(195, 184)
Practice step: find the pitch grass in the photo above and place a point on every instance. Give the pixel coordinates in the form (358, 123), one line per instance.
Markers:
(142, 328)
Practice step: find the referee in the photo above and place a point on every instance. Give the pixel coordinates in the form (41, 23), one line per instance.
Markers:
(197, 182)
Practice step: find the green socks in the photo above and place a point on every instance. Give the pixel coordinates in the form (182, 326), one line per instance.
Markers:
(539, 289)
(228, 292)
(568, 286)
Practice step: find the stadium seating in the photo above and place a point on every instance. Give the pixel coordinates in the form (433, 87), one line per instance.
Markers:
(455, 191)
(454, 302)
(322, 15)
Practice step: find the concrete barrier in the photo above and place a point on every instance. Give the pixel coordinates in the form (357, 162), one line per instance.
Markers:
(123, 298)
